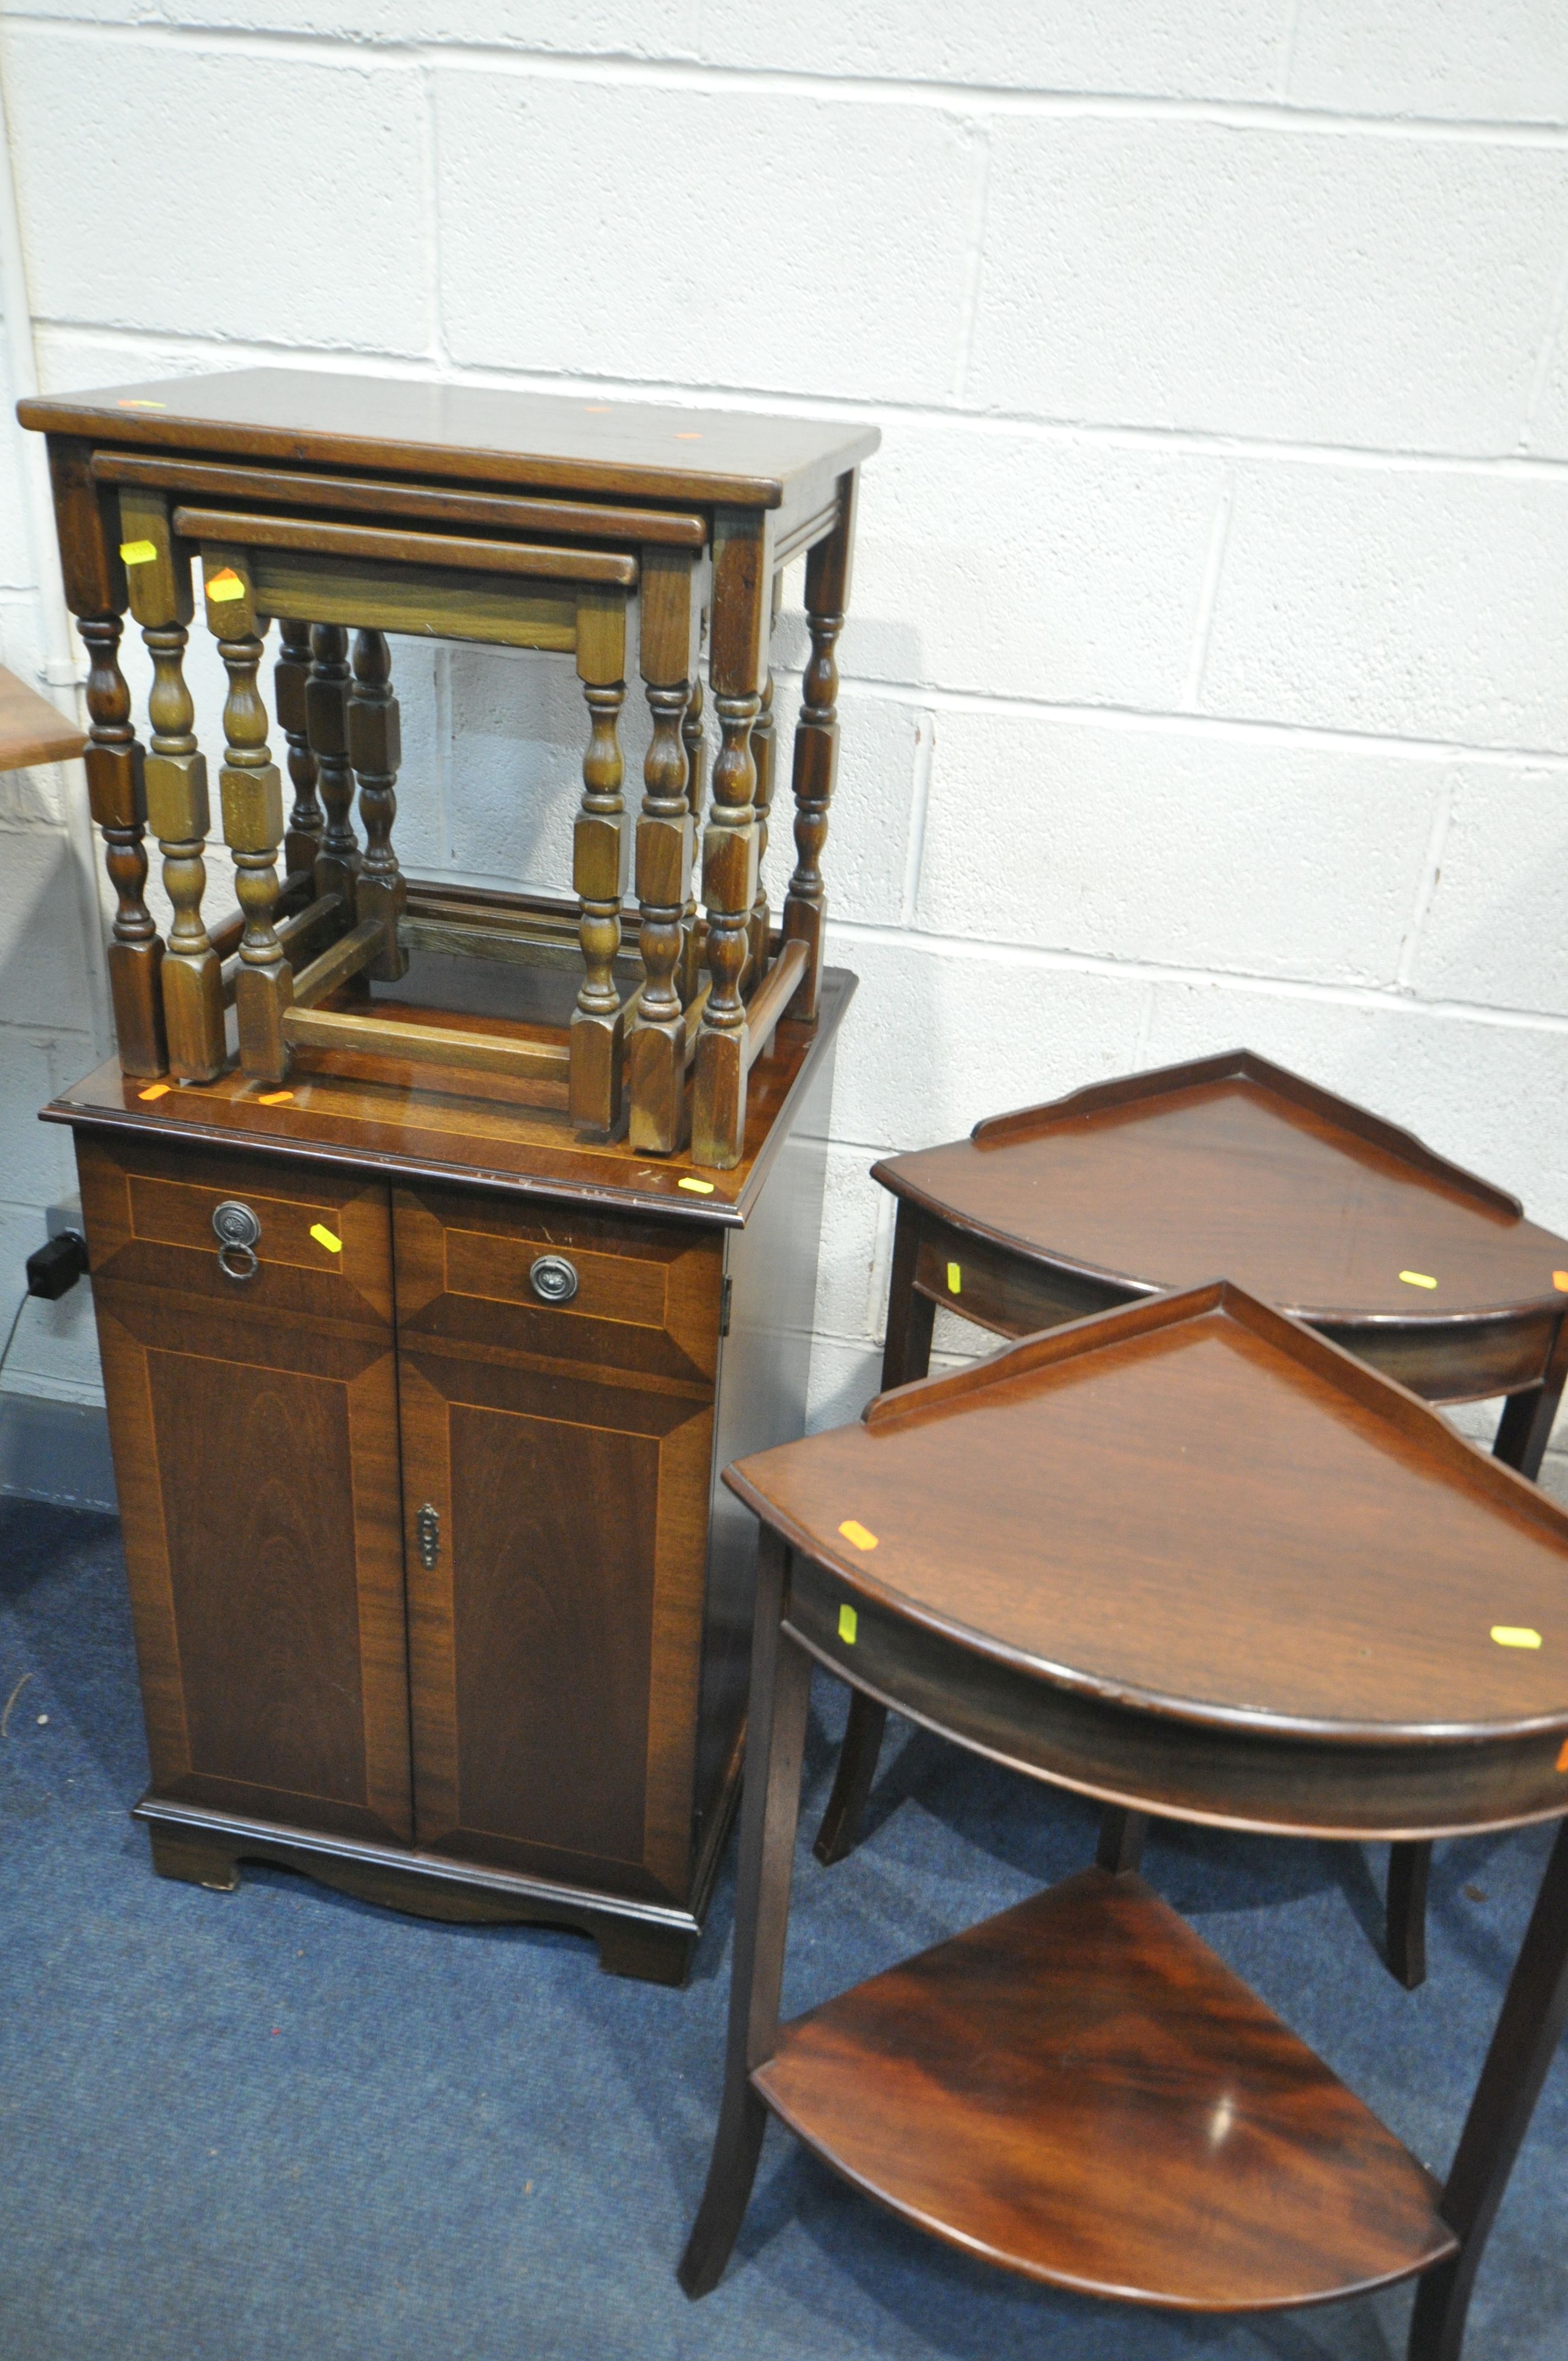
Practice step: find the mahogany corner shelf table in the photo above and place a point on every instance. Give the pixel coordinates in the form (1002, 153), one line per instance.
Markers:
(1330, 1616)
(446, 1242)
(1156, 1180)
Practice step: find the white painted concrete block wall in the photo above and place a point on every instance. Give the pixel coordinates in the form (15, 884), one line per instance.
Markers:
(1207, 679)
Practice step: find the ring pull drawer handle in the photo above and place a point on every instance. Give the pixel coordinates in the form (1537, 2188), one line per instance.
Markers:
(553, 1279)
(237, 1230)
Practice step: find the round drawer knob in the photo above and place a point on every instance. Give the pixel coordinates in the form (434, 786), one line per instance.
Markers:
(237, 1229)
(553, 1280)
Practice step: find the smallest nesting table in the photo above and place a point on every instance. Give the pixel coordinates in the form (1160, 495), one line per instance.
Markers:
(1187, 1558)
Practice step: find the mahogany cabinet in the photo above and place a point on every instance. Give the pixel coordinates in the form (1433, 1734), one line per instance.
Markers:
(431, 1599)
(448, 1239)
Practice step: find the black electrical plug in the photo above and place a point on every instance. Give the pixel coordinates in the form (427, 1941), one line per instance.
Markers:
(55, 1268)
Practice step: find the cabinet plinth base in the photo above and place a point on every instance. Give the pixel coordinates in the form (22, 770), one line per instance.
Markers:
(647, 1940)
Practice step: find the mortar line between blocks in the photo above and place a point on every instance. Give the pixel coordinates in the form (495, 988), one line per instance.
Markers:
(991, 951)
(1214, 565)
(431, 226)
(1547, 354)
(1442, 814)
(974, 258)
(920, 800)
(1287, 61)
(843, 88)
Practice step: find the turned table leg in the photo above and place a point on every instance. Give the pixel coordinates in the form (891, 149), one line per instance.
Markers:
(116, 791)
(664, 833)
(769, 1808)
(326, 724)
(158, 571)
(599, 873)
(742, 589)
(253, 818)
(817, 744)
(290, 686)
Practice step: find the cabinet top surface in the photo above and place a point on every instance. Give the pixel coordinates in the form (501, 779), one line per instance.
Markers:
(1200, 1508)
(416, 1128)
(465, 432)
(1230, 1164)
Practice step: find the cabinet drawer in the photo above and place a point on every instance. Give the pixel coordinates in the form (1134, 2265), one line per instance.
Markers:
(638, 1296)
(320, 1243)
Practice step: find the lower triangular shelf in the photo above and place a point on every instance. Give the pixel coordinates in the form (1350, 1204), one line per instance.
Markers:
(1078, 2088)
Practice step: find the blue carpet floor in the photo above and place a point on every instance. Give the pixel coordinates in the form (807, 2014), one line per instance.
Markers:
(278, 2126)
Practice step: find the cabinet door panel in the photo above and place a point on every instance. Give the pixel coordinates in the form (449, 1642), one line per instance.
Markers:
(255, 1455)
(555, 1642)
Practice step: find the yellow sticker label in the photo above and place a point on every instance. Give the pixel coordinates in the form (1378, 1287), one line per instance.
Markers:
(134, 402)
(849, 1624)
(158, 1091)
(1560, 1281)
(273, 1098)
(139, 553)
(1417, 1279)
(324, 1238)
(853, 1531)
(223, 586)
(697, 1188)
(1515, 1635)
(955, 1280)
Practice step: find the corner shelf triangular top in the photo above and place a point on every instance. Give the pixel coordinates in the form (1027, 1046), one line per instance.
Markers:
(1231, 1163)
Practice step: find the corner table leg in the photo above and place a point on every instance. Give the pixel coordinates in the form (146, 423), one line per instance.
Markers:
(1535, 2008)
(1523, 1433)
(1409, 1867)
(1122, 1834)
(906, 1356)
(769, 1808)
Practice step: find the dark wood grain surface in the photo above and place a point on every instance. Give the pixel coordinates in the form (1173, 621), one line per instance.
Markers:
(421, 1123)
(1081, 2089)
(1301, 1199)
(555, 1643)
(466, 433)
(1301, 1545)
(254, 1424)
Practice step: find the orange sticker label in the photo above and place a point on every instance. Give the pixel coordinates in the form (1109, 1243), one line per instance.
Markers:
(1560, 1281)
(1563, 1757)
(156, 1091)
(853, 1531)
(273, 1098)
(225, 584)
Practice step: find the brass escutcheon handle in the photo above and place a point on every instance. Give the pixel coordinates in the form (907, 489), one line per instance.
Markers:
(237, 1230)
